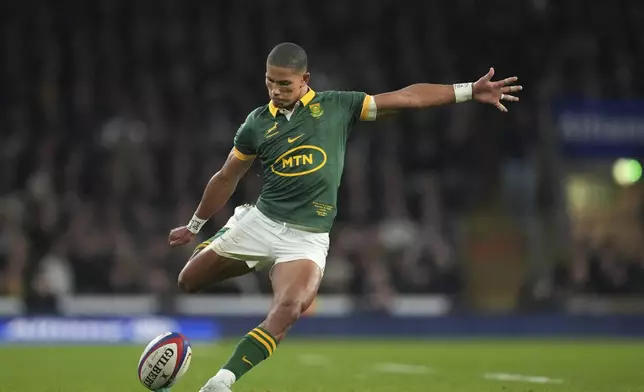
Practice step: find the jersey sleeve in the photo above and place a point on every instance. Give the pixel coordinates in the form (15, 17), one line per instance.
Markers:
(244, 142)
(361, 106)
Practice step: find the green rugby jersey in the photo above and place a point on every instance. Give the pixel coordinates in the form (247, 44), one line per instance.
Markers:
(302, 154)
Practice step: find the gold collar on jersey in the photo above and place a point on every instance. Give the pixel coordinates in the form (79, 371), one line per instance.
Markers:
(308, 97)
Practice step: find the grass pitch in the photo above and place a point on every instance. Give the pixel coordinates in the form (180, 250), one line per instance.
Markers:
(349, 366)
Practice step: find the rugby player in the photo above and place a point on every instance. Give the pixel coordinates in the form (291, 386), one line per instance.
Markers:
(299, 137)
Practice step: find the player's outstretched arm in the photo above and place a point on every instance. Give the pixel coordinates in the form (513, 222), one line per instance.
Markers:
(219, 189)
(424, 95)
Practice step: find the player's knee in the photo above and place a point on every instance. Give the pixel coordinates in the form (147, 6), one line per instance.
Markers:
(289, 310)
(187, 283)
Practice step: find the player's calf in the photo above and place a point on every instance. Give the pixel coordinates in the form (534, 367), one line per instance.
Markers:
(295, 285)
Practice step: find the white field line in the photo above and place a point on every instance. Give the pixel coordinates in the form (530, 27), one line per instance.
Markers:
(314, 360)
(522, 378)
(402, 368)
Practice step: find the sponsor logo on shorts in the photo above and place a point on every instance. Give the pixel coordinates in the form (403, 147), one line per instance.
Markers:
(300, 161)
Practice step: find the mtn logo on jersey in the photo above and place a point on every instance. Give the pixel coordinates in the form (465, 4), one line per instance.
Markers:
(299, 161)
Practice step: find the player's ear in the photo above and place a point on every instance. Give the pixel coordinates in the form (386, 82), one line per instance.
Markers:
(306, 77)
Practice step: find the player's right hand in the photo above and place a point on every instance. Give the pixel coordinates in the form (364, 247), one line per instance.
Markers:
(180, 236)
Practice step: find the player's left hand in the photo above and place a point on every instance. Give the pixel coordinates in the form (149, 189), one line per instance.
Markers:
(487, 91)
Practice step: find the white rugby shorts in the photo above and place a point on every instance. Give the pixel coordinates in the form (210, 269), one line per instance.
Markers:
(262, 242)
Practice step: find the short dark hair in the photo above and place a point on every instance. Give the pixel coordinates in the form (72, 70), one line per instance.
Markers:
(289, 55)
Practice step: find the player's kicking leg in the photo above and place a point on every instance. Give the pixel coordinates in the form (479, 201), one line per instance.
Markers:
(295, 285)
(206, 267)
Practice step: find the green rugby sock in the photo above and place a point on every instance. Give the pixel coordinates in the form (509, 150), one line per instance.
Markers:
(255, 347)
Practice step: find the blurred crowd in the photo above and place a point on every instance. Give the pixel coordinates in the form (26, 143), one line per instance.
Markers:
(604, 257)
(114, 114)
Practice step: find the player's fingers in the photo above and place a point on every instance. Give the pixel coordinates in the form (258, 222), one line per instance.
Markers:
(489, 74)
(510, 80)
(500, 106)
(178, 241)
(506, 81)
(511, 98)
(511, 89)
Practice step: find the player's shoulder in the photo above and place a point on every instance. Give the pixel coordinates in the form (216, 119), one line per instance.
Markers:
(258, 117)
(321, 95)
(335, 93)
(259, 113)
(339, 95)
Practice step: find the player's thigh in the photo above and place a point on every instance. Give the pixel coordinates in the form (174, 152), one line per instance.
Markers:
(299, 267)
(237, 249)
(295, 284)
(301, 245)
(206, 267)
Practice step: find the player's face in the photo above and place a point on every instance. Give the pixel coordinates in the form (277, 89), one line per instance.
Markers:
(285, 86)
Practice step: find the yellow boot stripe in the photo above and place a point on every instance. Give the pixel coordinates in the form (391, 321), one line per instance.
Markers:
(262, 341)
(266, 336)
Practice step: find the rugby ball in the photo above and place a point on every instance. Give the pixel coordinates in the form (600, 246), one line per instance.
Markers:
(164, 361)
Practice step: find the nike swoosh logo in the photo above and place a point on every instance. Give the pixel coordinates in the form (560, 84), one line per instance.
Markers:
(292, 139)
(268, 131)
(247, 361)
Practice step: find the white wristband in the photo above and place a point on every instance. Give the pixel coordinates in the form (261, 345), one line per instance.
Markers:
(463, 92)
(196, 224)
